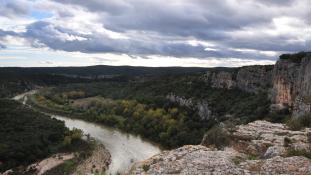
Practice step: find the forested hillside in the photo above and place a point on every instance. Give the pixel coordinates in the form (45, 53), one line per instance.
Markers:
(18, 80)
(27, 136)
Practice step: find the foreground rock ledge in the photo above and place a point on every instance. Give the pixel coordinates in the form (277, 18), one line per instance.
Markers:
(198, 159)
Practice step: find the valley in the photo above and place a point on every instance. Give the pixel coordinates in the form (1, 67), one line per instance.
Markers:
(136, 116)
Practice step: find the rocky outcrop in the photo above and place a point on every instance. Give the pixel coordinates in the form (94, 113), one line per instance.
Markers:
(197, 160)
(265, 139)
(258, 148)
(201, 106)
(301, 107)
(292, 85)
(254, 78)
(97, 163)
(182, 101)
(249, 79)
(222, 79)
(285, 74)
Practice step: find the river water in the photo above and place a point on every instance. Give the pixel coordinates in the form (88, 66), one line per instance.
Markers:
(125, 149)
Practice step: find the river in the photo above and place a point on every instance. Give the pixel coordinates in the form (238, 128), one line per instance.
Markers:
(125, 149)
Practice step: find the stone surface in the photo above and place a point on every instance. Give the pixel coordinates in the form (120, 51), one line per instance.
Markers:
(97, 162)
(301, 107)
(201, 106)
(254, 78)
(249, 78)
(292, 85)
(190, 159)
(223, 80)
(267, 139)
(255, 150)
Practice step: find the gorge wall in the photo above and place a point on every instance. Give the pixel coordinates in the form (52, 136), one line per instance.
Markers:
(288, 82)
(250, 78)
(292, 85)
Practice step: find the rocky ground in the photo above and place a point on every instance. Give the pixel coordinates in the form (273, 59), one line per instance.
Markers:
(46, 164)
(98, 162)
(258, 148)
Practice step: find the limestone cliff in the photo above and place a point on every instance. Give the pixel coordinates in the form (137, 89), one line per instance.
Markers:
(288, 81)
(250, 78)
(200, 106)
(292, 85)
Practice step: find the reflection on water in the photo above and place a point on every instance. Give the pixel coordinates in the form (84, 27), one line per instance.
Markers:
(125, 149)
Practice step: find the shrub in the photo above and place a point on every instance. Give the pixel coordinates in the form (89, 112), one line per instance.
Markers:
(146, 167)
(217, 137)
(303, 152)
(298, 123)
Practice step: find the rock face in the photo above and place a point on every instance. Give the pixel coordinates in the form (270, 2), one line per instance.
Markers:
(222, 79)
(200, 106)
(265, 139)
(98, 162)
(256, 150)
(250, 78)
(254, 78)
(292, 85)
(189, 159)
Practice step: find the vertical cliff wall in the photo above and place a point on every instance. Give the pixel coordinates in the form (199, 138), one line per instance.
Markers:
(292, 84)
(250, 78)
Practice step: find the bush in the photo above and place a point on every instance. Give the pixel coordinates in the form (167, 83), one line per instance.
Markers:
(146, 167)
(298, 123)
(296, 58)
(304, 153)
(217, 137)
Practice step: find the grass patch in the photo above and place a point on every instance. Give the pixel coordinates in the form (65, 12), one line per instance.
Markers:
(64, 169)
(252, 157)
(304, 153)
(299, 123)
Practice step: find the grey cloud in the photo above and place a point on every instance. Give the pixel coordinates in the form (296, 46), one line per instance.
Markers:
(2, 46)
(277, 2)
(172, 23)
(206, 19)
(50, 35)
(13, 8)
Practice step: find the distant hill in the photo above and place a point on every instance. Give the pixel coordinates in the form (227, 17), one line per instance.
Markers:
(101, 70)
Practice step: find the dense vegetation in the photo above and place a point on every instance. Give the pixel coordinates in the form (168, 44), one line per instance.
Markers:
(12, 83)
(296, 58)
(17, 80)
(141, 106)
(26, 135)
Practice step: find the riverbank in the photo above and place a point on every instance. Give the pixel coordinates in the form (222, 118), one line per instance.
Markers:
(97, 161)
(125, 149)
(92, 161)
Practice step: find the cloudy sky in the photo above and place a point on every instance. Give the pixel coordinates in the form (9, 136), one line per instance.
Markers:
(151, 32)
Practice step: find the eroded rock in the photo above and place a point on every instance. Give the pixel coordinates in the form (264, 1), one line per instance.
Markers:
(255, 150)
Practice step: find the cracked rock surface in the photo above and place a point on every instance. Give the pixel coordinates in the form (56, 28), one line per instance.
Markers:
(263, 138)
